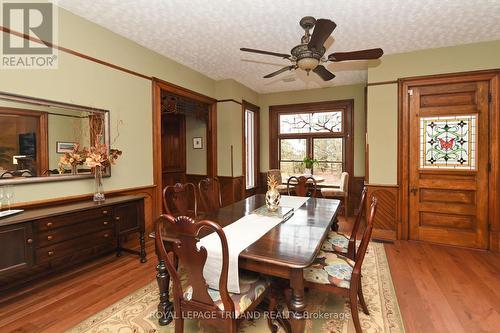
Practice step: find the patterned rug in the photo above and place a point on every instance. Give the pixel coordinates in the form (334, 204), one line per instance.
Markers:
(328, 313)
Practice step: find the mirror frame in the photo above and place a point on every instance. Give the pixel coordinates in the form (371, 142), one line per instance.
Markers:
(49, 103)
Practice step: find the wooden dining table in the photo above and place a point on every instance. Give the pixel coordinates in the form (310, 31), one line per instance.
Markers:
(282, 252)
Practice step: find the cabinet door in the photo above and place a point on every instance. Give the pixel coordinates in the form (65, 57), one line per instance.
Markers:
(129, 217)
(16, 247)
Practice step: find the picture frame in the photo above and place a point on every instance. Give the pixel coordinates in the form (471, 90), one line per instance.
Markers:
(198, 142)
(65, 147)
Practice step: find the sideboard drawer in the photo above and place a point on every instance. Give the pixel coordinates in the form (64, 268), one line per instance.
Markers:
(50, 237)
(66, 248)
(51, 223)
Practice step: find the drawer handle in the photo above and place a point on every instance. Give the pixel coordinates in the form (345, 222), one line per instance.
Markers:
(106, 235)
(50, 237)
(105, 222)
(29, 241)
(50, 253)
(49, 224)
(117, 218)
(104, 212)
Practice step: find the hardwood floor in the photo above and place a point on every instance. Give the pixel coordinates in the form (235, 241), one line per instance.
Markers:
(62, 301)
(446, 289)
(440, 289)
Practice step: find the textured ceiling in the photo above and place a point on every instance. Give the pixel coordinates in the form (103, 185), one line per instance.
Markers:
(206, 35)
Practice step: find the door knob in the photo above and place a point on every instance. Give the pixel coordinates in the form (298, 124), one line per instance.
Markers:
(414, 190)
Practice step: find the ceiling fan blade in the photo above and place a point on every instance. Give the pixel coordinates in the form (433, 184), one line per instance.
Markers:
(284, 69)
(356, 55)
(323, 73)
(281, 55)
(322, 30)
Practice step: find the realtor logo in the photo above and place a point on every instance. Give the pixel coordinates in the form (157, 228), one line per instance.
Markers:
(36, 20)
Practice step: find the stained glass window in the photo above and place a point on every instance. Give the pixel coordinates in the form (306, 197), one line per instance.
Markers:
(311, 122)
(448, 142)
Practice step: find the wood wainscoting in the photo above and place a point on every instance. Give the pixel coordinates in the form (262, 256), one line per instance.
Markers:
(232, 189)
(385, 226)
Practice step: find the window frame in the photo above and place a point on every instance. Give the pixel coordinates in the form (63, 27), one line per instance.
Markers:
(256, 110)
(275, 137)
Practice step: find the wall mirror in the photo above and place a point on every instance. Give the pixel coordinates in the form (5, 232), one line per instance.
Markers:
(38, 138)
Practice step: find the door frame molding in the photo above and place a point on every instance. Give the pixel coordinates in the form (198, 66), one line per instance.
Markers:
(493, 76)
(157, 86)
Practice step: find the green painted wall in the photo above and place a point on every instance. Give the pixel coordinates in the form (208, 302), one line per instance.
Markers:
(128, 98)
(229, 125)
(196, 159)
(382, 100)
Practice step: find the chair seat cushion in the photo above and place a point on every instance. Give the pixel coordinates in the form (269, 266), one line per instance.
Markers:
(330, 268)
(336, 241)
(332, 192)
(251, 287)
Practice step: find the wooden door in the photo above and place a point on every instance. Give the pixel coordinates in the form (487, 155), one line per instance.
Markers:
(16, 246)
(448, 163)
(173, 149)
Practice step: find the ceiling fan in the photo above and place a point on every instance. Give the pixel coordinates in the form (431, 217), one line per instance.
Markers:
(309, 54)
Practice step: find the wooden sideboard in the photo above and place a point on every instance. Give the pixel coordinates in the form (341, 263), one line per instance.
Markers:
(40, 241)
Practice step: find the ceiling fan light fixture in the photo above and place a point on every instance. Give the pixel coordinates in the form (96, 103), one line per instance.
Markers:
(308, 64)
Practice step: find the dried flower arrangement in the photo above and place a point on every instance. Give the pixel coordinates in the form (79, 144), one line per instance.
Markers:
(71, 159)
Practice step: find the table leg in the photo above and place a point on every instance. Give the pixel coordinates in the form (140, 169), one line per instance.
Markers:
(165, 307)
(297, 304)
(143, 247)
(335, 224)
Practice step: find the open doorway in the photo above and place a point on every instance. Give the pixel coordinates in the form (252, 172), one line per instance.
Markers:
(185, 146)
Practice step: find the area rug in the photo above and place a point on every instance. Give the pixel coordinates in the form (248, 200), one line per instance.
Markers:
(328, 313)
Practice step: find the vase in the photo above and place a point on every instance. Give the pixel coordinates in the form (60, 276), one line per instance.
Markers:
(73, 169)
(307, 171)
(98, 191)
(273, 199)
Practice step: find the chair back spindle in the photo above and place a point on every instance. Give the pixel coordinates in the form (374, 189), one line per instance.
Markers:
(192, 261)
(177, 199)
(210, 195)
(302, 188)
(367, 234)
(355, 227)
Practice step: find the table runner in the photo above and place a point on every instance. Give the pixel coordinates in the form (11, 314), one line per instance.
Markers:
(240, 235)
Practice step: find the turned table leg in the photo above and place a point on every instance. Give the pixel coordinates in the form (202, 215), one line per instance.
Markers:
(165, 307)
(143, 247)
(297, 304)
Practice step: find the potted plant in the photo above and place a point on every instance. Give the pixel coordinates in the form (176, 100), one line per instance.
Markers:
(309, 162)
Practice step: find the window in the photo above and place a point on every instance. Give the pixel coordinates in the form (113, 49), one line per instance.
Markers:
(321, 131)
(250, 133)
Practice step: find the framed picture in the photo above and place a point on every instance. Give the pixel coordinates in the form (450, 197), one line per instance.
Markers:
(198, 143)
(65, 147)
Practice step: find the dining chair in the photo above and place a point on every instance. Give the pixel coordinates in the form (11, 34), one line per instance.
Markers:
(341, 193)
(340, 275)
(210, 196)
(7, 174)
(227, 310)
(177, 200)
(282, 188)
(341, 243)
(302, 188)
